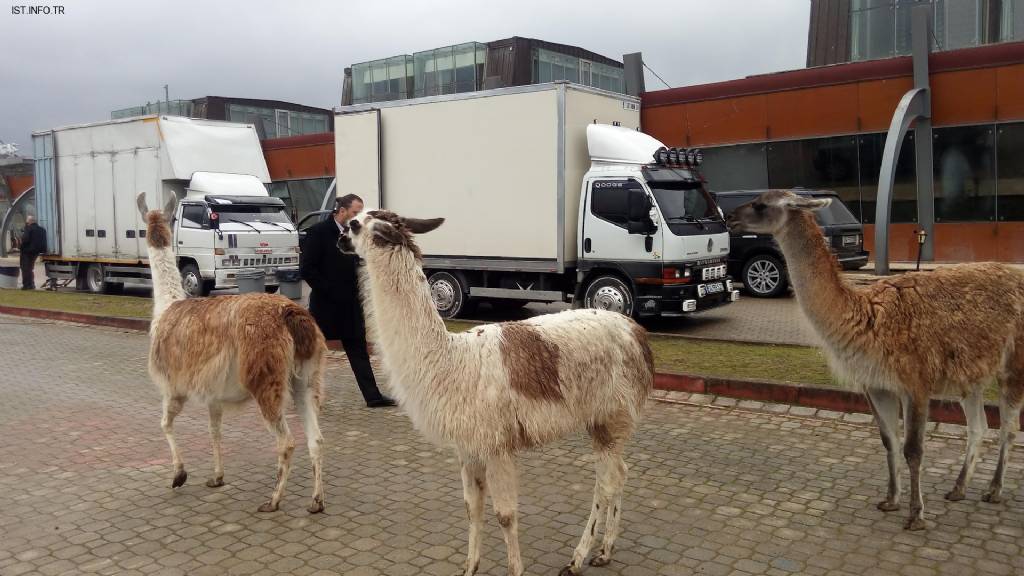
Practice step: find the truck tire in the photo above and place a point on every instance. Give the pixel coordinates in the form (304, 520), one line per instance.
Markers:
(192, 281)
(450, 294)
(609, 293)
(764, 276)
(91, 279)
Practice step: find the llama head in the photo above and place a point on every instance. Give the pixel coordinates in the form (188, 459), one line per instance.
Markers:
(770, 212)
(382, 230)
(158, 223)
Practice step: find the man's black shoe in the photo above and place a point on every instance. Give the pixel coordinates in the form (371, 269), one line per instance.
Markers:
(384, 402)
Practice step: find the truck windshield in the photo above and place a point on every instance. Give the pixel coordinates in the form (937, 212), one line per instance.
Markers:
(680, 194)
(244, 213)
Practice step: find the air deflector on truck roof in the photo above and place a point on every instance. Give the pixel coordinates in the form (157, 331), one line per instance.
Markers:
(618, 145)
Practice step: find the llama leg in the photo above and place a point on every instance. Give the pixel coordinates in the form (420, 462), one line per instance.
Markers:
(602, 494)
(285, 447)
(474, 491)
(615, 471)
(1009, 416)
(503, 484)
(886, 407)
(172, 407)
(915, 421)
(216, 412)
(309, 407)
(974, 411)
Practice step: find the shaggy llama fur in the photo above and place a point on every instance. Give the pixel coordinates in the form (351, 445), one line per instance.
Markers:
(227, 350)
(502, 388)
(905, 339)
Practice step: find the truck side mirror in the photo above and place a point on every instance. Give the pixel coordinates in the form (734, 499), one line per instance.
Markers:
(639, 207)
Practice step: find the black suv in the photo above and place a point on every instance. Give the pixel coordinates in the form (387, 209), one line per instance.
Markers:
(756, 260)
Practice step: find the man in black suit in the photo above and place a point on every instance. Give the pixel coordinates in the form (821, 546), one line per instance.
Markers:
(33, 243)
(335, 301)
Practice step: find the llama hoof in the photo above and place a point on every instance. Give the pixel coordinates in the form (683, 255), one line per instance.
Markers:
(268, 507)
(955, 495)
(215, 482)
(600, 560)
(179, 479)
(569, 571)
(992, 498)
(914, 524)
(887, 506)
(316, 507)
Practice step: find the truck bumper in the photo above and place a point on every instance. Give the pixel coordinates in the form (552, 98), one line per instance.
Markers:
(225, 277)
(674, 301)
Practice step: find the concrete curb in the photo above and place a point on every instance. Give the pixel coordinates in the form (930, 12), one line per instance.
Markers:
(828, 400)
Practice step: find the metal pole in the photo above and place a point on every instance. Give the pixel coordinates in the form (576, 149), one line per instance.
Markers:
(921, 42)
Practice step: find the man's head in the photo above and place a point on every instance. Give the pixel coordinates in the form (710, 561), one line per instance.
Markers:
(346, 208)
(30, 220)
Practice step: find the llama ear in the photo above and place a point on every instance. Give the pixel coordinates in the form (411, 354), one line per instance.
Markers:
(807, 203)
(171, 206)
(140, 201)
(418, 226)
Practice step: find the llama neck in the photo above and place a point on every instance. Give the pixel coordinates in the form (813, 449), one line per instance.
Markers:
(167, 287)
(823, 295)
(408, 327)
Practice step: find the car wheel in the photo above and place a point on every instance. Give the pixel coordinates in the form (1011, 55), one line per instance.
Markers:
(764, 276)
(609, 293)
(450, 295)
(192, 281)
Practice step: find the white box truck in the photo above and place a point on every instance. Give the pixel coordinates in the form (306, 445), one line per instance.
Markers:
(550, 194)
(87, 178)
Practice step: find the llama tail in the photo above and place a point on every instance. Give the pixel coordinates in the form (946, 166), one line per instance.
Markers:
(309, 342)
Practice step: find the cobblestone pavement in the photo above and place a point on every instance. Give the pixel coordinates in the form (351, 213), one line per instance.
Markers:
(85, 476)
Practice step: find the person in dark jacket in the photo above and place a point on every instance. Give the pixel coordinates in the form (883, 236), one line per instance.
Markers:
(33, 243)
(334, 301)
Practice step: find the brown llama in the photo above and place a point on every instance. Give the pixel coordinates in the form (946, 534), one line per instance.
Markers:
(905, 339)
(501, 389)
(227, 350)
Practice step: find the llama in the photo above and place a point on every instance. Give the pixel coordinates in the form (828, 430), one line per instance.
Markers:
(227, 350)
(503, 388)
(952, 331)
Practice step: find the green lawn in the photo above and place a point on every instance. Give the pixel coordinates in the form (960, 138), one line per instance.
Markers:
(794, 364)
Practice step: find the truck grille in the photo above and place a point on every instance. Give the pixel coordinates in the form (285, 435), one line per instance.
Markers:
(713, 273)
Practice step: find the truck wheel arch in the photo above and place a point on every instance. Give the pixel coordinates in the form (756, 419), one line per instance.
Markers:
(596, 273)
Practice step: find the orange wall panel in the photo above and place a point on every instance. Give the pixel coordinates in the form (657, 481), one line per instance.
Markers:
(964, 97)
(315, 161)
(740, 119)
(822, 111)
(19, 184)
(666, 123)
(902, 242)
(965, 242)
(877, 100)
(1010, 92)
(1010, 242)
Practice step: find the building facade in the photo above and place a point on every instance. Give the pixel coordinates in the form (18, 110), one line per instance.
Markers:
(475, 66)
(825, 128)
(301, 169)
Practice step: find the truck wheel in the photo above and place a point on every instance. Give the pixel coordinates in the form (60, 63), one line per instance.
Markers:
(449, 293)
(609, 293)
(92, 279)
(192, 281)
(764, 276)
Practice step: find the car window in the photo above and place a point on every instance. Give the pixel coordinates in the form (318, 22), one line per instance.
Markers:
(609, 200)
(835, 213)
(730, 202)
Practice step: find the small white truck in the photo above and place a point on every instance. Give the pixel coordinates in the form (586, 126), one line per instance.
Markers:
(87, 178)
(550, 194)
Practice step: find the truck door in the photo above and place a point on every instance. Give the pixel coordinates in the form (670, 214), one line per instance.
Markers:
(193, 236)
(605, 234)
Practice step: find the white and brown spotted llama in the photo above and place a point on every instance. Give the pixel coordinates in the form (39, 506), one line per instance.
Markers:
(227, 350)
(504, 388)
(952, 331)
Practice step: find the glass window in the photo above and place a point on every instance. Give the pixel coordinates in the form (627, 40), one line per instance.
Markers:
(1010, 150)
(307, 195)
(904, 193)
(964, 158)
(738, 167)
(466, 75)
(1011, 21)
(872, 29)
(609, 200)
(193, 216)
(380, 80)
(816, 164)
(957, 23)
(361, 83)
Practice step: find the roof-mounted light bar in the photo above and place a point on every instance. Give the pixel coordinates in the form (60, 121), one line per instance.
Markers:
(686, 158)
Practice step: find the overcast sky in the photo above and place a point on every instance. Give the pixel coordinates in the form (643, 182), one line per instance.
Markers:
(101, 55)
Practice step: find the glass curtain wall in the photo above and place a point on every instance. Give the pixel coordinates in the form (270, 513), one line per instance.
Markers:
(449, 70)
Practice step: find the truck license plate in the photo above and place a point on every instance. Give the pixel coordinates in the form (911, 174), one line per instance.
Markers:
(707, 289)
(264, 250)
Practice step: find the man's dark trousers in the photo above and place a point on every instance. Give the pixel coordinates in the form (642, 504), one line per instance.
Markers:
(359, 358)
(28, 266)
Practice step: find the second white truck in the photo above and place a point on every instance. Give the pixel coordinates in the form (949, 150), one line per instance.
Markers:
(550, 194)
(87, 178)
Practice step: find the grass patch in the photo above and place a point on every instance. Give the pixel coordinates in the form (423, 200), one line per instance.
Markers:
(95, 304)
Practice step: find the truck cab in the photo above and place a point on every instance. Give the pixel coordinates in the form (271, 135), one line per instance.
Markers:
(652, 241)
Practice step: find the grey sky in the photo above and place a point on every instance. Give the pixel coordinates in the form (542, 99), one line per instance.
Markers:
(107, 54)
